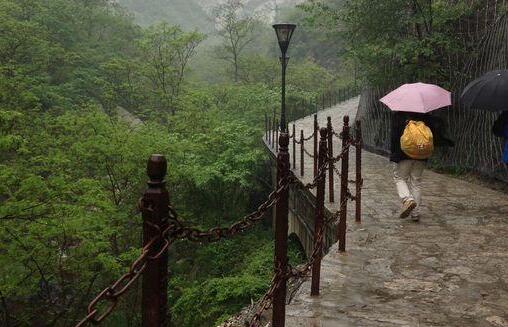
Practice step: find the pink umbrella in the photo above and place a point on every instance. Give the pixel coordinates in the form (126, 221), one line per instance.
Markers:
(418, 97)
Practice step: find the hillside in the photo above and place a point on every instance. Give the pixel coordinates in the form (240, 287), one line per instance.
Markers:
(189, 14)
(192, 14)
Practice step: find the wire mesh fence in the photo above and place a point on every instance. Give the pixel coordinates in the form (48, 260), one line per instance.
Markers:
(485, 34)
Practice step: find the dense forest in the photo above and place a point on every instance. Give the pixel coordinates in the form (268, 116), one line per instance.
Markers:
(196, 82)
(72, 168)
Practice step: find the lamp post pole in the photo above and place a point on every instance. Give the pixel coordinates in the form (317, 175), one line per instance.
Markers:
(284, 62)
(284, 33)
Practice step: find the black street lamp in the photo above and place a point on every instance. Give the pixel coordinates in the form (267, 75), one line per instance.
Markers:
(284, 33)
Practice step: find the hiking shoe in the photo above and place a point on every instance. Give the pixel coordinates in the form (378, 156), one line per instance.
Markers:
(407, 207)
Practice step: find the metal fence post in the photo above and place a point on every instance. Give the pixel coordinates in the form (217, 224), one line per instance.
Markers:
(331, 194)
(302, 154)
(269, 133)
(359, 178)
(155, 277)
(320, 209)
(281, 234)
(316, 132)
(344, 185)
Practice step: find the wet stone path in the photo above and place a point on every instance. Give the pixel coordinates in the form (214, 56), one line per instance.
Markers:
(450, 269)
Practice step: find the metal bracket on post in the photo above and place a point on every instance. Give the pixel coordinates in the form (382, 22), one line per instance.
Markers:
(155, 277)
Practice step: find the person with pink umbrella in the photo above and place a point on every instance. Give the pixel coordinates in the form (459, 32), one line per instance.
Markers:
(414, 133)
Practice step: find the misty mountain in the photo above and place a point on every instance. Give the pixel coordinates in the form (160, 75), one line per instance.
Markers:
(189, 14)
(192, 14)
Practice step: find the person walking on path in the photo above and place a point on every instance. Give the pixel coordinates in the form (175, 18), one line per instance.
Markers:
(500, 129)
(408, 172)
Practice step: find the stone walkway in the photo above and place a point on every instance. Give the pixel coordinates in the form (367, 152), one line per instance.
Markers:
(451, 269)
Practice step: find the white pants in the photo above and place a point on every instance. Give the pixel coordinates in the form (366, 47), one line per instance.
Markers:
(407, 175)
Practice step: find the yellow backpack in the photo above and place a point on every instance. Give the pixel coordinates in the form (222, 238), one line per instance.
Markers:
(417, 141)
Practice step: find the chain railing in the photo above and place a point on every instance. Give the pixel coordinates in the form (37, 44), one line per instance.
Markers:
(300, 144)
(162, 227)
(326, 162)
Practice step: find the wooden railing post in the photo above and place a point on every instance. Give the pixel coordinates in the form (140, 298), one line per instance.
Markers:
(316, 132)
(320, 210)
(331, 194)
(294, 146)
(281, 233)
(359, 178)
(302, 154)
(155, 278)
(344, 186)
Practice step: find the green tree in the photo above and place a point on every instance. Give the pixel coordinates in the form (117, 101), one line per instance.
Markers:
(235, 28)
(403, 40)
(167, 51)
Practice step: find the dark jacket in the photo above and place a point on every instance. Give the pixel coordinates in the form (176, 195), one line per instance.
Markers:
(399, 122)
(500, 125)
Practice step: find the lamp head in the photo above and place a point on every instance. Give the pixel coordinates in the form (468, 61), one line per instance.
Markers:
(284, 33)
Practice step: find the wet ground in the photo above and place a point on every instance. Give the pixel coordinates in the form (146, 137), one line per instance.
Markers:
(450, 269)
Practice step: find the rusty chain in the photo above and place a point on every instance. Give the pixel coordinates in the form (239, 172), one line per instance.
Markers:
(111, 294)
(341, 155)
(176, 230)
(338, 135)
(337, 171)
(322, 171)
(266, 302)
(217, 233)
(317, 254)
(308, 153)
(305, 139)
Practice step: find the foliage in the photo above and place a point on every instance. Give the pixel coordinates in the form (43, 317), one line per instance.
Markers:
(239, 272)
(402, 40)
(69, 187)
(235, 28)
(72, 168)
(167, 51)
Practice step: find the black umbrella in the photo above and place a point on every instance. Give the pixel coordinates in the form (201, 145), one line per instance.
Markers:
(489, 92)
